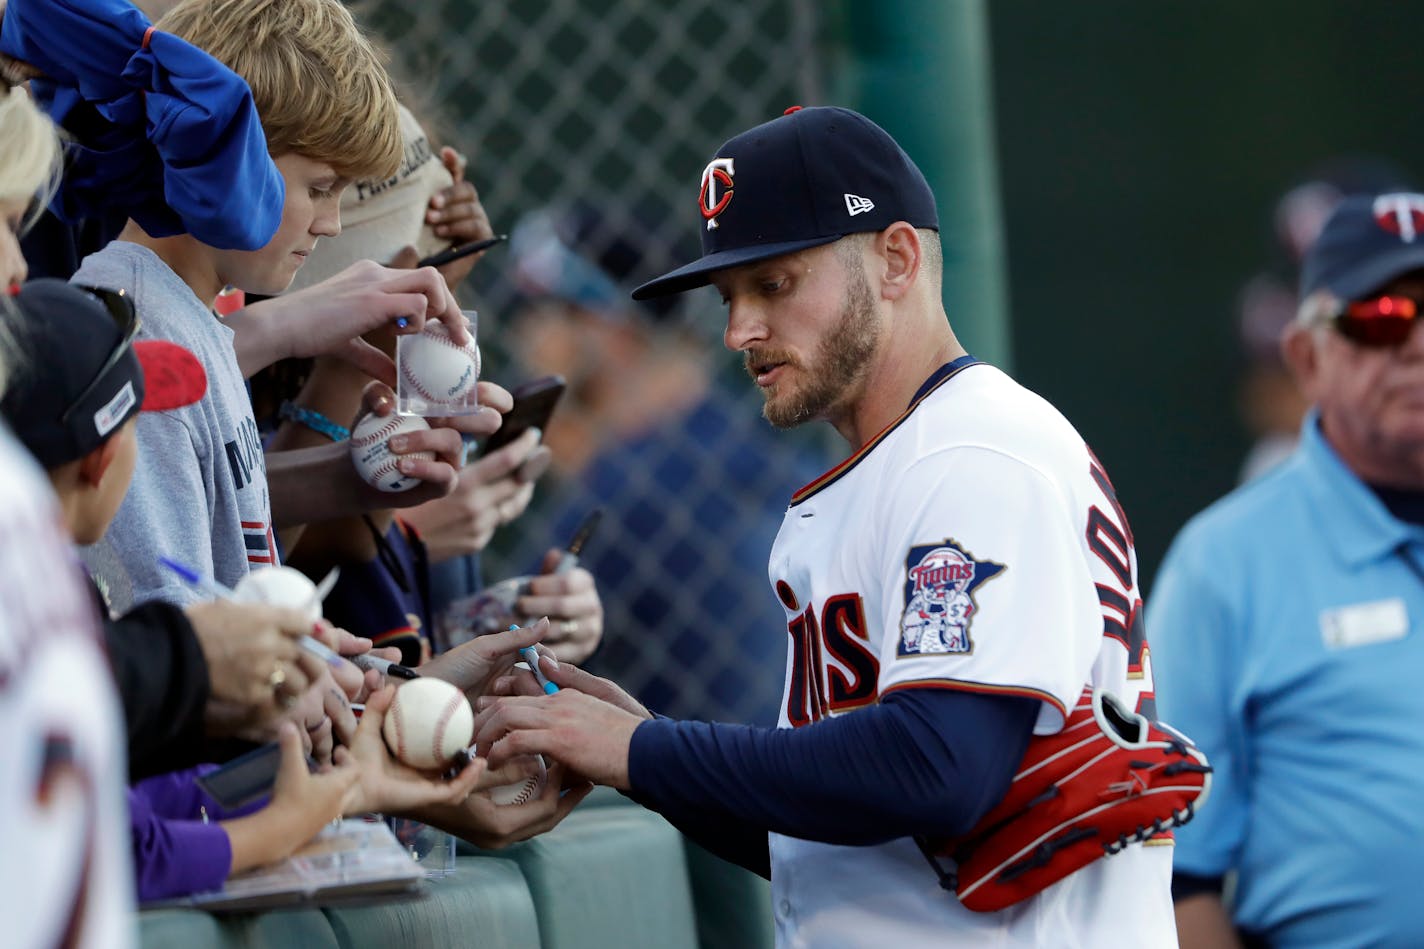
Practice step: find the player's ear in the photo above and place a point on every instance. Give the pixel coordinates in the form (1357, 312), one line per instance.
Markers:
(93, 465)
(899, 246)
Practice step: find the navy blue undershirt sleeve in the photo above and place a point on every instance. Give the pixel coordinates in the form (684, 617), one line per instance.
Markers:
(923, 762)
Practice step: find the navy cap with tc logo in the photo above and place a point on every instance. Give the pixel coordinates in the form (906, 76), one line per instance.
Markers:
(807, 178)
(1366, 243)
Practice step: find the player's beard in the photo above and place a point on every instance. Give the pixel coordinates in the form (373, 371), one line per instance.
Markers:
(836, 369)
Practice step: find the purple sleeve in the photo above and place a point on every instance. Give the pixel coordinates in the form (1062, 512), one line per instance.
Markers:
(174, 857)
(177, 795)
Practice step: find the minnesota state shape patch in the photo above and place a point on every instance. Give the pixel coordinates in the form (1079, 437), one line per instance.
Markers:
(940, 580)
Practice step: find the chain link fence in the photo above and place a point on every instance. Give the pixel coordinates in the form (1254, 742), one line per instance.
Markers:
(587, 124)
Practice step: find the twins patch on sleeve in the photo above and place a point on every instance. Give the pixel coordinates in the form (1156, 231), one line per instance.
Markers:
(940, 581)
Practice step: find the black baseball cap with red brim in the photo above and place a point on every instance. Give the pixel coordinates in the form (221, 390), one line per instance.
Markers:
(807, 178)
(77, 374)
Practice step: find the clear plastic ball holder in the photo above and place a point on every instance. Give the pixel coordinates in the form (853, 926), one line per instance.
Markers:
(435, 377)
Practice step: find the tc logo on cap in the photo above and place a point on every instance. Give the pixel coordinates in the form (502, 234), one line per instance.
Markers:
(1401, 214)
(719, 171)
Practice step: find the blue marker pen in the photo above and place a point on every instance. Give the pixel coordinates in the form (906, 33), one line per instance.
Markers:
(531, 658)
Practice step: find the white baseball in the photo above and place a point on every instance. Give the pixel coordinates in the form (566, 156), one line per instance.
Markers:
(374, 459)
(429, 721)
(436, 368)
(522, 792)
(280, 586)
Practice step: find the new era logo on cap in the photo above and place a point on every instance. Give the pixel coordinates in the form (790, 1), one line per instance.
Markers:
(855, 204)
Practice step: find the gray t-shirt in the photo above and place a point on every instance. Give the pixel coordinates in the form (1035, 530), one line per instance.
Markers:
(199, 492)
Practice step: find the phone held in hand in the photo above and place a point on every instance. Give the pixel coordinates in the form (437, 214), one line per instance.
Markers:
(534, 404)
(245, 778)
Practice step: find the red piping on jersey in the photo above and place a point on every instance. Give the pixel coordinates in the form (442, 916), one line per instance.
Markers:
(954, 685)
(834, 475)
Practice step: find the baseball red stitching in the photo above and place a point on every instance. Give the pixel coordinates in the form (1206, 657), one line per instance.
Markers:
(415, 383)
(442, 722)
(439, 334)
(388, 427)
(400, 733)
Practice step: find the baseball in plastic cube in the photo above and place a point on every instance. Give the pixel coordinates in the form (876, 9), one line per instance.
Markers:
(434, 375)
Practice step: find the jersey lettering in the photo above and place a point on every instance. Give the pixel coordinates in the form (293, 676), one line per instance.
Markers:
(840, 635)
(848, 642)
(1109, 536)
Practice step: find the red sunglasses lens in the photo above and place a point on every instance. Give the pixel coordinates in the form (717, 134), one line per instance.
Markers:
(1386, 321)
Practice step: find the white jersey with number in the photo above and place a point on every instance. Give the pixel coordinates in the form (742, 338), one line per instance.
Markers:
(975, 544)
(65, 857)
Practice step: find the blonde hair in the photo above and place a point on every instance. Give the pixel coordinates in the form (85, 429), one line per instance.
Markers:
(29, 150)
(319, 84)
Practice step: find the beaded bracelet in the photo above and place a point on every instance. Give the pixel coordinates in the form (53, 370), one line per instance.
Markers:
(314, 421)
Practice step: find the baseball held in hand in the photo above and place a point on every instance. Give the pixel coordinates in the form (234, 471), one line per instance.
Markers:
(522, 792)
(372, 455)
(429, 721)
(434, 375)
(280, 586)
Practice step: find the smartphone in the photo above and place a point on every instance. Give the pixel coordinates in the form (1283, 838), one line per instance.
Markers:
(534, 404)
(463, 250)
(245, 778)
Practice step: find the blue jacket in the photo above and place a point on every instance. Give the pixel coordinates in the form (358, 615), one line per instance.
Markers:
(160, 129)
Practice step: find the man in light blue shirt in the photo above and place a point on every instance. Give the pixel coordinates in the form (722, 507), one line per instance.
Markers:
(1288, 627)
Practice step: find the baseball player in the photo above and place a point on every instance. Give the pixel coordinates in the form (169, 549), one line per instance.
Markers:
(949, 588)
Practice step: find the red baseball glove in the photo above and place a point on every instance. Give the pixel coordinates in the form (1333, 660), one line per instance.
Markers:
(1111, 777)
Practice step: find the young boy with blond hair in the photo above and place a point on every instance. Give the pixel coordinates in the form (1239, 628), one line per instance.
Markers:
(200, 491)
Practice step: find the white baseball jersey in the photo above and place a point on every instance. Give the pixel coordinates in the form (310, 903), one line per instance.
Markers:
(65, 863)
(975, 544)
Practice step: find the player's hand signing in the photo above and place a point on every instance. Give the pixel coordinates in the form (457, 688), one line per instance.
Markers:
(328, 318)
(586, 734)
(491, 492)
(566, 676)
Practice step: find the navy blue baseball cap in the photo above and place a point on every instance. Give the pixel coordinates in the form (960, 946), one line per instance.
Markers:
(81, 374)
(807, 178)
(1368, 241)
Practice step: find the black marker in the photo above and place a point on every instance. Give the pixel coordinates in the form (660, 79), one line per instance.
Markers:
(463, 250)
(384, 666)
(570, 557)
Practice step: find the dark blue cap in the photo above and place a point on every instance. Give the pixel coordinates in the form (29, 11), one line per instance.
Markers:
(1367, 242)
(810, 177)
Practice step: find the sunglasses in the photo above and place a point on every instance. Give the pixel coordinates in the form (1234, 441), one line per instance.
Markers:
(1378, 322)
(120, 307)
